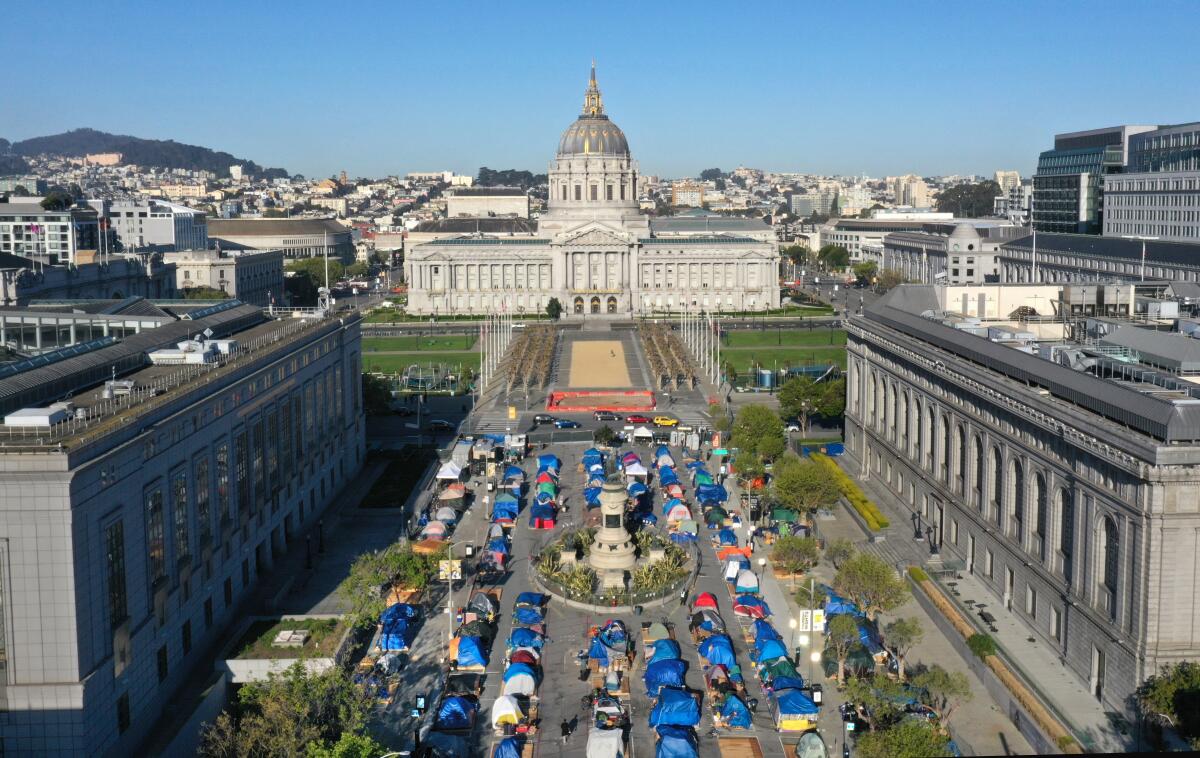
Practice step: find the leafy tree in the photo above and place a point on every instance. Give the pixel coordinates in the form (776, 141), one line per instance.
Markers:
(842, 638)
(838, 552)
(349, 745)
(301, 290)
(803, 485)
(834, 256)
(1175, 692)
(907, 739)
(889, 278)
(902, 635)
(802, 398)
(795, 554)
(944, 690)
(509, 177)
(604, 435)
(798, 254)
(57, 201)
(866, 269)
(982, 645)
(866, 212)
(377, 395)
(871, 584)
(315, 269)
(969, 200)
(758, 431)
(357, 269)
(879, 699)
(204, 293)
(274, 213)
(711, 174)
(288, 714)
(20, 191)
(554, 309)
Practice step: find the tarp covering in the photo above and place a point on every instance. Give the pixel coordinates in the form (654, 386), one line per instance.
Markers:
(708, 620)
(735, 713)
(549, 460)
(676, 742)
(776, 667)
(495, 531)
(399, 611)
(509, 747)
(532, 598)
(449, 470)
(396, 636)
(674, 706)
(787, 682)
(635, 469)
(544, 498)
(598, 652)
(456, 712)
(636, 489)
(477, 628)
(591, 495)
(793, 703)
(764, 631)
(657, 631)
(504, 509)
(729, 552)
(786, 515)
(718, 649)
(628, 458)
(667, 475)
(528, 616)
(770, 650)
(483, 603)
(702, 478)
(514, 473)
(683, 538)
(711, 493)
(506, 710)
(470, 652)
(752, 601)
(498, 546)
(605, 743)
(727, 537)
(836, 604)
(747, 581)
(614, 635)
(522, 637)
(715, 515)
(704, 600)
(869, 638)
(665, 650)
(668, 673)
(522, 656)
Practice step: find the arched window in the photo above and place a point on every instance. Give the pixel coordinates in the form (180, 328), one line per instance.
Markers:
(918, 416)
(945, 462)
(880, 403)
(1109, 573)
(1039, 517)
(960, 447)
(979, 474)
(1066, 532)
(564, 190)
(1018, 501)
(930, 442)
(996, 485)
(903, 421)
(890, 420)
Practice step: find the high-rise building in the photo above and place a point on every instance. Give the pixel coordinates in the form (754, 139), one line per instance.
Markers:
(1158, 193)
(1007, 180)
(1068, 188)
(909, 190)
(687, 193)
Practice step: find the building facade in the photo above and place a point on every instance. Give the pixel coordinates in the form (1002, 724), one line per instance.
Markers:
(1007, 180)
(594, 250)
(687, 193)
(252, 276)
(296, 237)
(950, 253)
(128, 543)
(50, 237)
(1085, 257)
(1070, 496)
(1158, 194)
(488, 201)
(154, 224)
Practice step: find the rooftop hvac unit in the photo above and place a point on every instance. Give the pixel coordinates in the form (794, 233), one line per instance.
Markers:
(117, 388)
(35, 417)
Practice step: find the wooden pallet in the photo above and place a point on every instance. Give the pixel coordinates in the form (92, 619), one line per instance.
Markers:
(739, 747)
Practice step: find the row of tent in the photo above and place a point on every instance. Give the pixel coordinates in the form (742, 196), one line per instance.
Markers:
(791, 707)
(522, 669)
(723, 676)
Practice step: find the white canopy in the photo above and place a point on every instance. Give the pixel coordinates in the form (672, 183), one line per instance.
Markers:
(449, 470)
(635, 469)
(642, 431)
(520, 684)
(605, 743)
(506, 710)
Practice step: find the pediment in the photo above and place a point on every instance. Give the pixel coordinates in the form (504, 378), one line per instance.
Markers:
(593, 235)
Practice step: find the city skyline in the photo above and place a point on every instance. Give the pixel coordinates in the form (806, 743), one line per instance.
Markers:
(387, 93)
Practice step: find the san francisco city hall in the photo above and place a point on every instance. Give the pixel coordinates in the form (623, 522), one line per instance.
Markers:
(594, 250)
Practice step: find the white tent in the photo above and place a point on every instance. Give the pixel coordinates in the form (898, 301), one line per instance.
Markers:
(434, 529)
(449, 470)
(731, 570)
(605, 743)
(679, 512)
(446, 513)
(635, 469)
(747, 581)
(495, 531)
(665, 460)
(520, 684)
(642, 432)
(506, 710)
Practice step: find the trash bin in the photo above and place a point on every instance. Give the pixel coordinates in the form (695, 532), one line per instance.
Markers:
(637, 610)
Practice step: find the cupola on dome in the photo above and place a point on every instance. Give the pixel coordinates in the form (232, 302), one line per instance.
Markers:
(593, 133)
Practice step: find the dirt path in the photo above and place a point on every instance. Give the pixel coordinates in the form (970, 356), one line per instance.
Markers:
(598, 364)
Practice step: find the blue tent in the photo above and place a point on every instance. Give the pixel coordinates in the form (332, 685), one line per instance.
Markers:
(514, 472)
(522, 637)
(528, 616)
(665, 650)
(543, 498)
(661, 451)
(667, 475)
(516, 669)
(532, 598)
(718, 649)
(869, 638)
(669, 504)
(764, 630)
(597, 651)
(794, 703)
(695, 465)
(664, 674)
(711, 493)
(735, 712)
(549, 460)
(498, 546)
(727, 537)
(676, 742)
(836, 604)
(674, 706)
(591, 495)
(682, 538)
(396, 636)
(649, 518)
(771, 650)
(399, 611)
(593, 453)
(637, 488)
(753, 601)
(787, 683)
(540, 511)
(509, 747)
(504, 509)
(456, 712)
(470, 652)
(614, 635)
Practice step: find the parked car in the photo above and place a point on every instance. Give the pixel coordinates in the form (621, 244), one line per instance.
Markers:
(793, 426)
(566, 423)
(440, 425)
(606, 416)
(543, 418)
(637, 419)
(665, 421)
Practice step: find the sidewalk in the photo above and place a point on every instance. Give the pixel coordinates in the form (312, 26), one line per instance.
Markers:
(1039, 665)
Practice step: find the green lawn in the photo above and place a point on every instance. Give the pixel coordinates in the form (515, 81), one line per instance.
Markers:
(256, 642)
(390, 363)
(744, 359)
(735, 338)
(420, 342)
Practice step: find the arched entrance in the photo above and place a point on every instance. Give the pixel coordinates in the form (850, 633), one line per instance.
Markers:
(595, 305)
(579, 306)
(612, 305)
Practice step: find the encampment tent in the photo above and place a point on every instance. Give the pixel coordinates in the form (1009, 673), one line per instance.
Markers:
(614, 635)
(399, 611)
(535, 599)
(676, 742)
(678, 512)
(711, 493)
(734, 712)
(434, 530)
(704, 600)
(635, 469)
(523, 656)
(770, 650)
(746, 582)
(484, 604)
(443, 745)
(522, 637)
(447, 514)
(396, 636)
(605, 743)
(708, 620)
(506, 710)
(509, 747)
(668, 673)
(667, 475)
(727, 537)
(675, 706)
(793, 711)
(718, 649)
(665, 650)
(636, 489)
(657, 631)
(456, 712)
(528, 616)
(542, 516)
(470, 652)
(752, 606)
(449, 471)
(520, 679)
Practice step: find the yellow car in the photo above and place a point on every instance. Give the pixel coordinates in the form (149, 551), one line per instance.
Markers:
(665, 421)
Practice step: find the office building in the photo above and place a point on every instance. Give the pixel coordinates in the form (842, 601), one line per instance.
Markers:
(28, 230)
(687, 193)
(1068, 188)
(1057, 458)
(296, 237)
(154, 225)
(1014, 204)
(136, 514)
(1158, 194)
(1086, 257)
(252, 276)
(1007, 180)
(910, 190)
(809, 203)
(31, 184)
(594, 250)
(488, 201)
(855, 234)
(962, 251)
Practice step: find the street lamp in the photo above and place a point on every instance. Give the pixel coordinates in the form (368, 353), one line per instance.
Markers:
(450, 591)
(813, 658)
(762, 567)
(793, 623)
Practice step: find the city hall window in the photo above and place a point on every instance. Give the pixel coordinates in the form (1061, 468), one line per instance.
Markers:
(114, 561)
(608, 193)
(155, 537)
(578, 192)
(593, 192)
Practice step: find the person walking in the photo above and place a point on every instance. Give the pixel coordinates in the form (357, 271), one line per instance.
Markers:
(566, 731)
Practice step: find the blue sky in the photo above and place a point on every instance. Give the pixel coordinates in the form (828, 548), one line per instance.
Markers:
(391, 87)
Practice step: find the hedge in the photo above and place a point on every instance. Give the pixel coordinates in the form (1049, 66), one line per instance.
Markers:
(918, 574)
(867, 509)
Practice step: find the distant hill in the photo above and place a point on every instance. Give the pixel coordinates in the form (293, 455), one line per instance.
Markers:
(143, 152)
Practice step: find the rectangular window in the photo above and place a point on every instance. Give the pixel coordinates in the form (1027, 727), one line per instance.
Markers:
(987, 563)
(593, 192)
(622, 190)
(228, 593)
(256, 465)
(203, 513)
(954, 531)
(578, 192)
(339, 404)
(223, 481)
(285, 439)
(186, 637)
(608, 195)
(179, 506)
(298, 416)
(208, 613)
(114, 559)
(273, 449)
(1031, 601)
(155, 536)
(1055, 624)
(241, 473)
(308, 410)
(163, 669)
(123, 713)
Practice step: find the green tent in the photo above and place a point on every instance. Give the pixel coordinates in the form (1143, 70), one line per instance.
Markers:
(779, 667)
(688, 525)
(547, 487)
(657, 631)
(703, 478)
(786, 515)
(715, 516)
